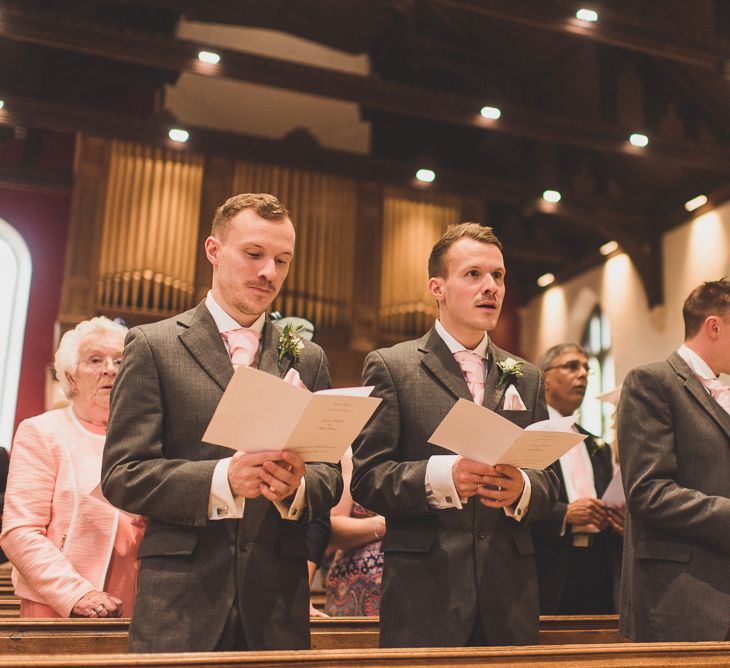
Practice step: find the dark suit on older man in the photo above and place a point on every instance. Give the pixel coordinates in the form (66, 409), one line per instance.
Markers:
(674, 444)
(448, 573)
(193, 569)
(576, 579)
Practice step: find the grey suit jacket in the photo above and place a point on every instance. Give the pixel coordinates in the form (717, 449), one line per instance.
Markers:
(674, 443)
(155, 464)
(442, 567)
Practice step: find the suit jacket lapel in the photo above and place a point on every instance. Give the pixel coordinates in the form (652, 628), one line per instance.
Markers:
(270, 351)
(203, 341)
(493, 394)
(440, 362)
(699, 393)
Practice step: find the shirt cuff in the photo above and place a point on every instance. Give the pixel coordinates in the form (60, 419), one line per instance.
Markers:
(440, 489)
(222, 505)
(294, 510)
(518, 511)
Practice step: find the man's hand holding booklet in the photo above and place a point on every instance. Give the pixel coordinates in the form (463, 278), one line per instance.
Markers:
(259, 411)
(476, 433)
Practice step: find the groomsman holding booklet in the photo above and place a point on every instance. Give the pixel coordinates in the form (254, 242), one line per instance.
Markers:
(223, 563)
(459, 561)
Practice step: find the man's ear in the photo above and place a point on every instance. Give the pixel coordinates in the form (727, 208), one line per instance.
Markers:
(212, 249)
(712, 326)
(436, 287)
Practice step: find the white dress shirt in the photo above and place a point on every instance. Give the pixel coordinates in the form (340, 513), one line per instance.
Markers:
(440, 489)
(222, 504)
(696, 363)
(566, 465)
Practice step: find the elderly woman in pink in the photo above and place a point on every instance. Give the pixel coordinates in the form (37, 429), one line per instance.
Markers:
(74, 555)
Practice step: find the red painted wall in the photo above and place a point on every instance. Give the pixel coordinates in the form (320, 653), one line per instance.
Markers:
(42, 219)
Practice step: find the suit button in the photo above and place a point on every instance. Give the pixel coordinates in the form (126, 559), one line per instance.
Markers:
(480, 534)
(243, 547)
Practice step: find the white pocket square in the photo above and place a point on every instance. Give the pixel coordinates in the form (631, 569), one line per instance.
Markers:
(513, 400)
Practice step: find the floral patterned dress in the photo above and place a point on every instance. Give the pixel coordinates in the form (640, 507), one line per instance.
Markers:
(353, 579)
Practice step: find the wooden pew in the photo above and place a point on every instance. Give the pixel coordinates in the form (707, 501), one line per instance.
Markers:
(80, 636)
(628, 655)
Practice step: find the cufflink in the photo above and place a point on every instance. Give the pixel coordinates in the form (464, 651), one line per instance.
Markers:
(221, 511)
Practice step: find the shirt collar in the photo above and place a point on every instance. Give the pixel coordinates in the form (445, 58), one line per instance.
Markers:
(224, 322)
(696, 363)
(553, 413)
(454, 346)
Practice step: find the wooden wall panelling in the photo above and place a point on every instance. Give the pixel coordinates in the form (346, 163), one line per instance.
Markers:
(150, 231)
(217, 188)
(368, 263)
(412, 223)
(78, 296)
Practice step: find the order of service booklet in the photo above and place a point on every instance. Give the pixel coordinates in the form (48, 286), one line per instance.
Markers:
(259, 411)
(477, 433)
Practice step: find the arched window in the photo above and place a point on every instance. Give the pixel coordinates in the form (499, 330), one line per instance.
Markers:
(15, 270)
(596, 416)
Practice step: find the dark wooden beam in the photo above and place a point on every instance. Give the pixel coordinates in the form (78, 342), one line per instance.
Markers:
(707, 54)
(35, 180)
(181, 56)
(32, 112)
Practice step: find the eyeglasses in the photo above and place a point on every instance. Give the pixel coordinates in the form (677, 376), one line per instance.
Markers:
(573, 366)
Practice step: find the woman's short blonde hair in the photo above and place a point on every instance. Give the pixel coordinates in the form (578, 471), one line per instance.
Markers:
(67, 355)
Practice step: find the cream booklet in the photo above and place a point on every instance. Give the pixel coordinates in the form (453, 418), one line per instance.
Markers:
(259, 411)
(477, 433)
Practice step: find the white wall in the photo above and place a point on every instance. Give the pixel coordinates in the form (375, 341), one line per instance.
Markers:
(695, 252)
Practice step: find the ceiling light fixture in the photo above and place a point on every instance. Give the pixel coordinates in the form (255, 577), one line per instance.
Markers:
(178, 135)
(695, 202)
(546, 279)
(552, 196)
(2, 103)
(209, 57)
(426, 175)
(492, 113)
(608, 248)
(637, 139)
(589, 15)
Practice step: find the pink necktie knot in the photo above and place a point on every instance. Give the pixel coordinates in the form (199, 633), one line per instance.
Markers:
(243, 344)
(720, 393)
(472, 366)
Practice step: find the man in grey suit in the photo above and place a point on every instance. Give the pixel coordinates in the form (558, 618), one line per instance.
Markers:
(459, 561)
(674, 444)
(224, 556)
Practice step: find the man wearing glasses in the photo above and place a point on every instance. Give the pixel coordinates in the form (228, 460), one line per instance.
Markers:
(574, 543)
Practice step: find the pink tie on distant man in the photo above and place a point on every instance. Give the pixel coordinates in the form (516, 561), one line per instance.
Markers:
(720, 393)
(472, 366)
(243, 344)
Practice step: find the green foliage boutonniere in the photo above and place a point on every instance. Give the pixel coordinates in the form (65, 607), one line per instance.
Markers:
(290, 345)
(509, 369)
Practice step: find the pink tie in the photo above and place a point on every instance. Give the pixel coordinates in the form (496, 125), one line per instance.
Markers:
(472, 366)
(243, 344)
(720, 393)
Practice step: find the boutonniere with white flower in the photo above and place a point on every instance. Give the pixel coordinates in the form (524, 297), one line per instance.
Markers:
(509, 369)
(290, 345)
(596, 444)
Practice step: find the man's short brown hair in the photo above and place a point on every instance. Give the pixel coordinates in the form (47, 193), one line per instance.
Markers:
(469, 230)
(711, 298)
(265, 205)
